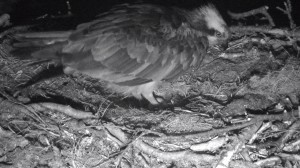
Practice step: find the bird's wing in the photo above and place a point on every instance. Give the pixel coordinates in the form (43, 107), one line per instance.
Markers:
(128, 46)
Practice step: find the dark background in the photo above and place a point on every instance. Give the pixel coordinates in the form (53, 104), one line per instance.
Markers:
(27, 11)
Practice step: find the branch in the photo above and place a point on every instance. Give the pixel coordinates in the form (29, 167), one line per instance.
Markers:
(288, 134)
(227, 156)
(262, 10)
(292, 157)
(267, 30)
(288, 12)
(67, 110)
(212, 132)
(174, 156)
(267, 162)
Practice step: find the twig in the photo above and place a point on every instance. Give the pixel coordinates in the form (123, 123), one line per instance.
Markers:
(248, 132)
(292, 157)
(142, 159)
(288, 12)
(21, 108)
(261, 129)
(290, 147)
(116, 134)
(174, 156)
(267, 30)
(287, 135)
(211, 145)
(67, 110)
(245, 154)
(210, 133)
(268, 162)
(291, 116)
(227, 156)
(262, 10)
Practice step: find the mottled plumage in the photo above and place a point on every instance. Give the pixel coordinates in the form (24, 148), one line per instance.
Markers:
(134, 47)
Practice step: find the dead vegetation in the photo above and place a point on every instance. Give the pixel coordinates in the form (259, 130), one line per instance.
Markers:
(240, 109)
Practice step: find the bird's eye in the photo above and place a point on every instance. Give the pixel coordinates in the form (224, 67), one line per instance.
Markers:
(218, 34)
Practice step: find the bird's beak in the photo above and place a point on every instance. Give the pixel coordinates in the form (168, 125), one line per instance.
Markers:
(223, 45)
(225, 40)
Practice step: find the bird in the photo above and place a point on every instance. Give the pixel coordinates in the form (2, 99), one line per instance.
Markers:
(133, 47)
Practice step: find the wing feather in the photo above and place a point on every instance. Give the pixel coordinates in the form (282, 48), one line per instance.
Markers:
(130, 49)
(131, 67)
(116, 59)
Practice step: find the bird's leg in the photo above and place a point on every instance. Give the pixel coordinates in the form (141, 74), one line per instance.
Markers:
(150, 97)
(158, 98)
(69, 70)
(162, 103)
(146, 91)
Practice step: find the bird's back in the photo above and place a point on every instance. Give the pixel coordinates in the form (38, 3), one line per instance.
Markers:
(135, 44)
(132, 47)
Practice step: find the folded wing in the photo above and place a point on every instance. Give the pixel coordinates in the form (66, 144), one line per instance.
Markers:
(127, 46)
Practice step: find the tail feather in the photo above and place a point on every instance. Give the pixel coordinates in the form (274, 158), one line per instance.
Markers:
(39, 35)
(40, 45)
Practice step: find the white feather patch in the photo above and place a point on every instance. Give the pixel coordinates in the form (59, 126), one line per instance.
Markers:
(139, 91)
(212, 17)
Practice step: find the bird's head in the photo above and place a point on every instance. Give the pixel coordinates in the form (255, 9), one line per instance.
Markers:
(208, 21)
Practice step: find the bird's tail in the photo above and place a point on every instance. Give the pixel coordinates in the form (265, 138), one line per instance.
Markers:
(40, 45)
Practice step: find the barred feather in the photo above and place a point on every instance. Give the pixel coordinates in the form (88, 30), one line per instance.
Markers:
(133, 47)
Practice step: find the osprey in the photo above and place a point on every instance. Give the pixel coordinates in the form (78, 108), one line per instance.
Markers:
(133, 48)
